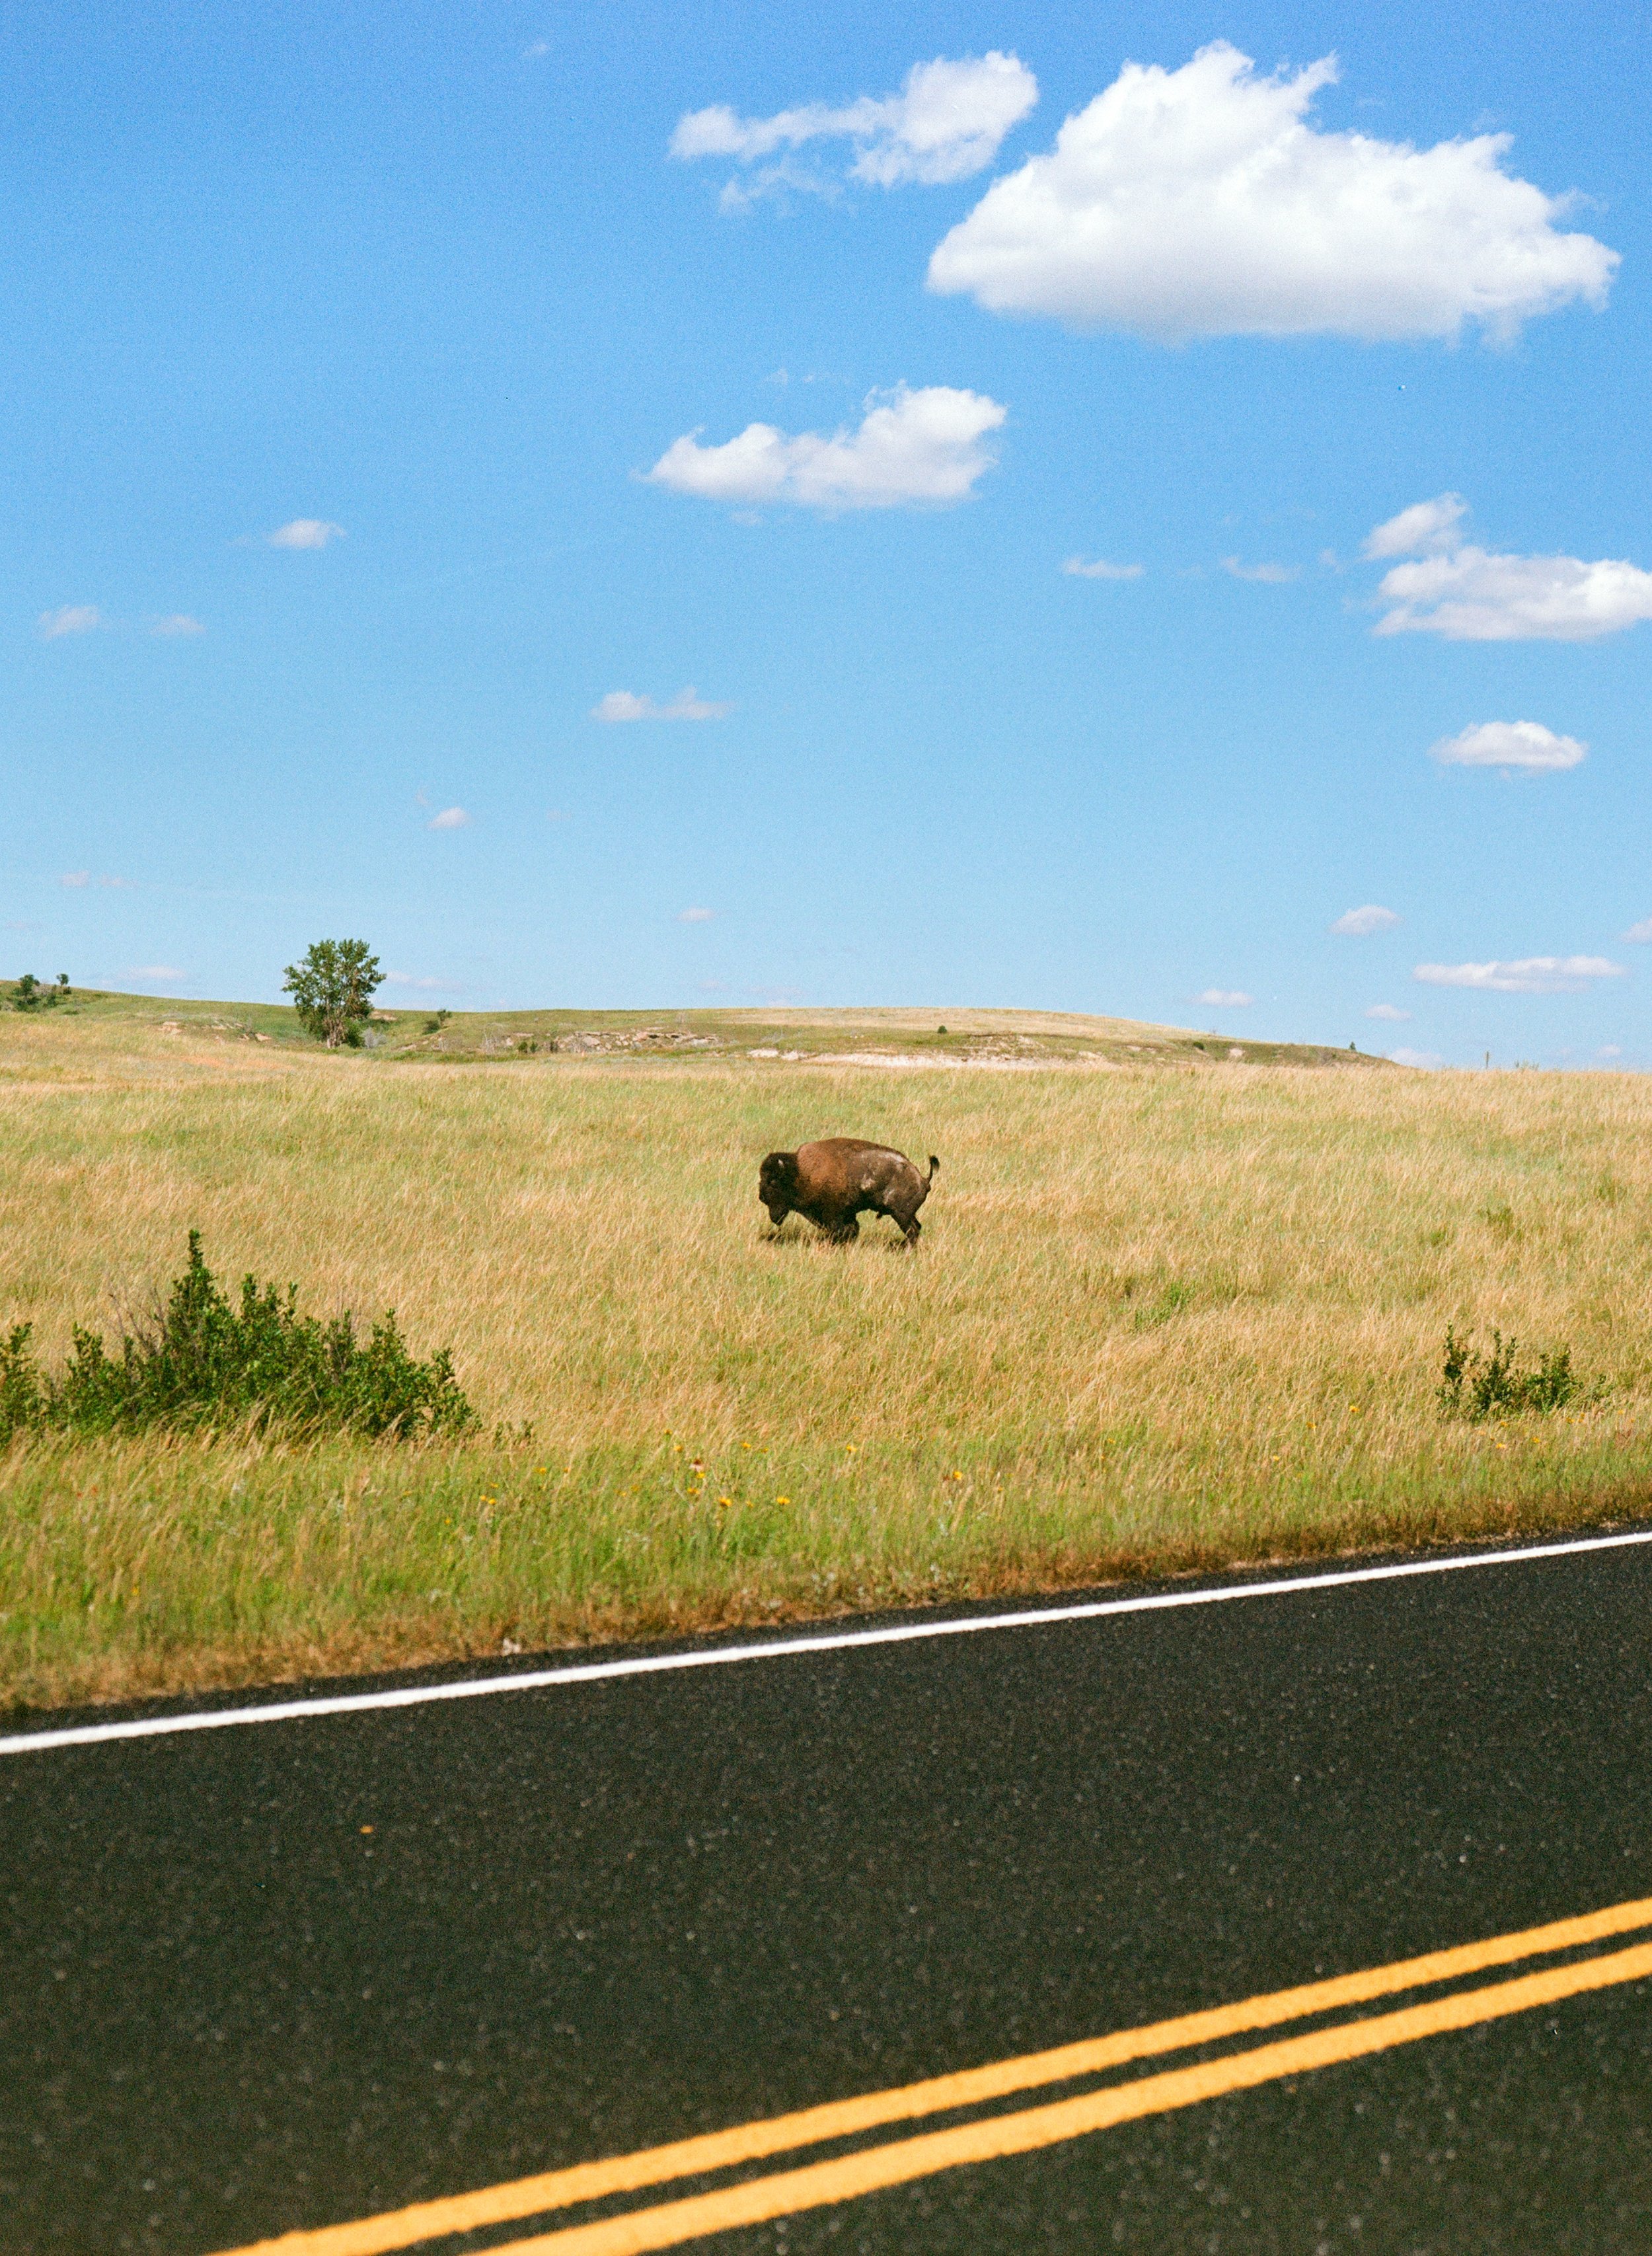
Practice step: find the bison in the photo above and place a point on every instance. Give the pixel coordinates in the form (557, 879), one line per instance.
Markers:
(840, 1177)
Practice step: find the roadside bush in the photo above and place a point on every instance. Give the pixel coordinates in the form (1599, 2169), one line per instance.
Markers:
(201, 1362)
(21, 1403)
(1480, 1387)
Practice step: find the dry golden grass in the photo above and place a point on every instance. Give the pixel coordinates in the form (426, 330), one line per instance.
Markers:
(1160, 1319)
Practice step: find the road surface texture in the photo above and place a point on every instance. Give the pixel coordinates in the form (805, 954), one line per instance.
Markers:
(264, 1980)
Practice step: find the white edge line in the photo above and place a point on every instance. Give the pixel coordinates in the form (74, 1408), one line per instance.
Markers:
(533, 1680)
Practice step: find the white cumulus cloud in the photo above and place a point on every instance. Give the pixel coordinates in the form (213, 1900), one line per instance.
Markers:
(946, 122)
(1204, 202)
(1227, 998)
(69, 619)
(1356, 923)
(909, 447)
(1468, 594)
(1508, 744)
(306, 533)
(1425, 1061)
(1101, 569)
(1642, 932)
(451, 818)
(695, 916)
(1528, 975)
(422, 986)
(177, 624)
(687, 705)
(75, 878)
(1388, 1013)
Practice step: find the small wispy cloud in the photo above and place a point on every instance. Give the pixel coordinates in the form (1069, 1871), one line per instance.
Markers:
(1527, 975)
(1263, 576)
(306, 533)
(451, 818)
(1642, 932)
(153, 971)
(534, 49)
(910, 449)
(695, 916)
(75, 878)
(1428, 528)
(1356, 923)
(687, 705)
(1078, 568)
(1510, 745)
(422, 986)
(1388, 1013)
(175, 624)
(1425, 1061)
(69, 619)
(117, 885)
(946, 122)
(1227, 998)
(557, 814)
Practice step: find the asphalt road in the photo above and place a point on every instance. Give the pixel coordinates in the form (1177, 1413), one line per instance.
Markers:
(256, 1979)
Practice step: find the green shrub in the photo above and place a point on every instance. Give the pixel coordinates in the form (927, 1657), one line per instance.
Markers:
(27, 994)
(20, 1398)
(203, 1361)
(1478, 1386)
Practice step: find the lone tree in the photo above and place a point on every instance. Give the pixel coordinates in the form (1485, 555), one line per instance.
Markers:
(332, 989)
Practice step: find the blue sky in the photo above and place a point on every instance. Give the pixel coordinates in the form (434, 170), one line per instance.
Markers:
(428, 296)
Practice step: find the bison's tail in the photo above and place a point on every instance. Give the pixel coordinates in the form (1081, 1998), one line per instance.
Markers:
(934, 1166)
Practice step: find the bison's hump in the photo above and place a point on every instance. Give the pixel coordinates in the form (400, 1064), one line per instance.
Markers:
(844, 1144)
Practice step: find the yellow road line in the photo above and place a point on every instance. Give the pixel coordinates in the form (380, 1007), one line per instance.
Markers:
(748, 2142)
(762, 2199)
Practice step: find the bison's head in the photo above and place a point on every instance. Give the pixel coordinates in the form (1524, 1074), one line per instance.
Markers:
(776, 1182)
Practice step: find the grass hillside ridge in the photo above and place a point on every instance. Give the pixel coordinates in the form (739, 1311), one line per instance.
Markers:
(1160, 1319)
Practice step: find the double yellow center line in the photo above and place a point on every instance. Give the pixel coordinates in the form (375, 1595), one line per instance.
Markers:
(871, 2168)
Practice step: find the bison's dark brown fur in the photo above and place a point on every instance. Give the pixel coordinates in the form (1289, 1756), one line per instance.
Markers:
(840, 1177)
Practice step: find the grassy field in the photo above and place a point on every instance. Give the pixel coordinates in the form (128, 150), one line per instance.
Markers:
(1164, 1316)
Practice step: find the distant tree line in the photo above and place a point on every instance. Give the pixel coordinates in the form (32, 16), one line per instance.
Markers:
(27, 993)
